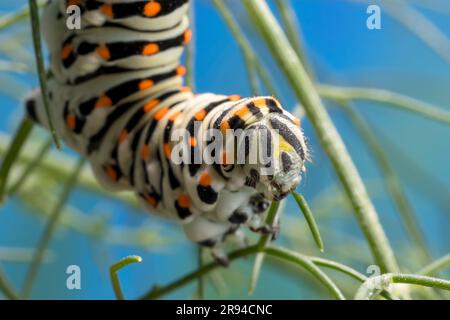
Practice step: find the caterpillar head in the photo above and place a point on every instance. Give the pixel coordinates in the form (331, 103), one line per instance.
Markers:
(277, 144)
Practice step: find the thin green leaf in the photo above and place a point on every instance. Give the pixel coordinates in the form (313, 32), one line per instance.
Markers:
(436, 266)
(32, 165)
(12, 154)
(304, 207)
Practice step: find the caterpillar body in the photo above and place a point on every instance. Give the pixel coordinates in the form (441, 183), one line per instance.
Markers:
(117, 96)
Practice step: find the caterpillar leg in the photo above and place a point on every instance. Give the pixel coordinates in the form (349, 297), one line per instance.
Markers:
(248, 212)
(214, 235)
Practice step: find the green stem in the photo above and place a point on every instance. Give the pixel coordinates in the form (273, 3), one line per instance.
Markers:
(387, 98)
(12, 154)
(339, 267)
(115, 281)
(6, 288)
(50, 229)
(436, 266)
(270, 221)
(307, 264)
(201, 280)
(249, 57)
(281, 253)
(394, 187)
(252, 61)
(35, 26)
(328, 135)
(290, 24)
(307, 213)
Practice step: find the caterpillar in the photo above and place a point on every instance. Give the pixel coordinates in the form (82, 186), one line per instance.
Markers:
(116, 94)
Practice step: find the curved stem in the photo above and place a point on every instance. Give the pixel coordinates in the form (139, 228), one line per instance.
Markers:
(372, 286)
(115, 281)
(306, 263)
(281, 253)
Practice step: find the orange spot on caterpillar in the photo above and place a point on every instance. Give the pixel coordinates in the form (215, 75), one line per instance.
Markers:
(181, 71)
(67, 51)
(145, 84)
(192, 142)
(224, 126)
(174, 116)
(151, 9)
(103, 52)
(184, 201)
(123, 136)
(161, 113)
(145, 152)
(200, 115)
(71, 121)
(185, 89)
(241, 112)
(110, 172)
(72, 2)
(297, 122)
(150, 49)
(151, 201)
(205, 179)
(187, 37)
(107, 10)
(260, 102)
(234, 97)
(225, 159)
(167, 150)
(150, 105)
(103, 101)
